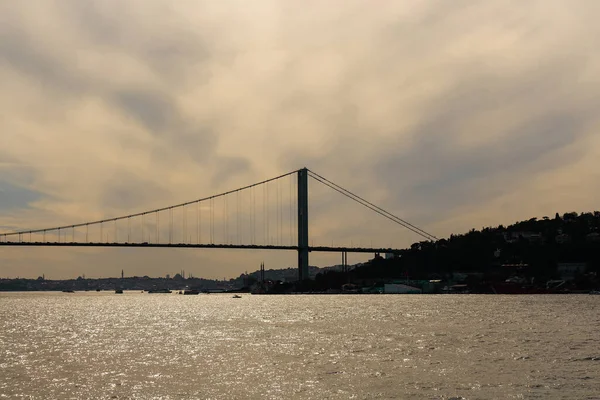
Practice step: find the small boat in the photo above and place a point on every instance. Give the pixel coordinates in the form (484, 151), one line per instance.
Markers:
(191, 291)
(119, 291)
(595, 292)
(159, 291)
(97, 290)
(236, 296)
(68, 291)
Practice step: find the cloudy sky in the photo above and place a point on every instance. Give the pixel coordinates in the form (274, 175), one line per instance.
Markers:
(451, 114)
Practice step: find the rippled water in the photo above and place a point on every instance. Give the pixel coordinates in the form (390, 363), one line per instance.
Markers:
(161, 346)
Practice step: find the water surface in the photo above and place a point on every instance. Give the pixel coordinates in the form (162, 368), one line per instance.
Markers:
(90, 345)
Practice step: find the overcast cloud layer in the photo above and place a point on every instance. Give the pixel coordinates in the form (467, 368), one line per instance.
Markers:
(451, 114)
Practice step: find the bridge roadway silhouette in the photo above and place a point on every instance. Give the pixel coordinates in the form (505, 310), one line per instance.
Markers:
(303, 248)
(324, 249)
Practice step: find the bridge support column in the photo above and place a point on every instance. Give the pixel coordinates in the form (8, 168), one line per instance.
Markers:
(303, 224)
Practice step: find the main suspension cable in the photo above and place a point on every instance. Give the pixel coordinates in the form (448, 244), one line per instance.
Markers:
(144, 212)
(372, 206)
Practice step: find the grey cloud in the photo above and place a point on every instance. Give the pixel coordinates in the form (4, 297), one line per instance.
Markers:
(180, 142)
(438, 174)
(127, 192)
(199, 143)
(13, 197)
(165, 52)
(21, 51)
(178, 134)
(14, 171)
(230, 167)
(16, 184)
(169, 51)
(154, 110)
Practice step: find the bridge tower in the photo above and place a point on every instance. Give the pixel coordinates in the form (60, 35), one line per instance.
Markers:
(303, 224)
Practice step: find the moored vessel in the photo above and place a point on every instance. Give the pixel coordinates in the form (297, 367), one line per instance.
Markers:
(159, 291)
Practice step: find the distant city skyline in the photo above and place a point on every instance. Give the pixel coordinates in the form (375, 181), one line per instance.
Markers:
(452, 115)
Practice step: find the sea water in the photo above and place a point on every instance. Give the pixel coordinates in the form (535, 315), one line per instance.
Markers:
(89, 345)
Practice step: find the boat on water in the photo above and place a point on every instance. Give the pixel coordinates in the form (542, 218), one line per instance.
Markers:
(151, 291)
(236, 296)
(595, 292)
(513, 288)
(520, 286)
(119, 291)
(68, 291)
(190, 291)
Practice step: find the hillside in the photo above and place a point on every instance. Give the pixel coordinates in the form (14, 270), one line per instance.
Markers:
(535, 250)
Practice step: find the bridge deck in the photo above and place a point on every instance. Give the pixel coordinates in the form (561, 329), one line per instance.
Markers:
(331, 249)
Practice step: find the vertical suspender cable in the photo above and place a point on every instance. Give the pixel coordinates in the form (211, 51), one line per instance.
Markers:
(295, 207)
(264, 215)
(278, 211)
(290, 220)
(267, 205)
(280, 190)
(281, 212)
(227, 218)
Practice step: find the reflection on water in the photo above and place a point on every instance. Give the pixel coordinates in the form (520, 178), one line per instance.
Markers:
(165, 346)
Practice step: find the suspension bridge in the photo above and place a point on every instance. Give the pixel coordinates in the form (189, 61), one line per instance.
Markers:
(218, 221)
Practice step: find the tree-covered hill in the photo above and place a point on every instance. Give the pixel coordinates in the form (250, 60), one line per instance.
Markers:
(532, 248)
